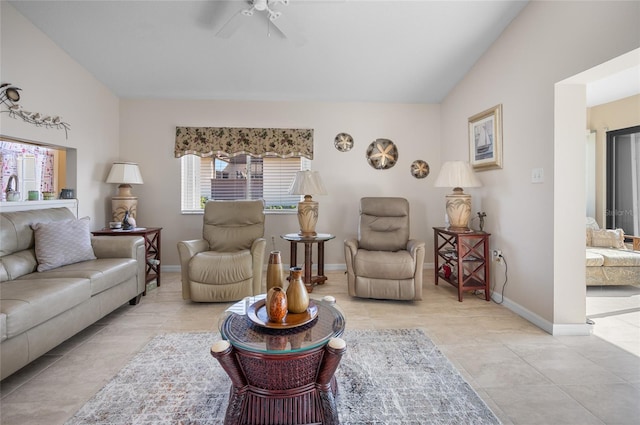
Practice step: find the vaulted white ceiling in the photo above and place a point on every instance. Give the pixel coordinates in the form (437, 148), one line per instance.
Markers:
(371, 51)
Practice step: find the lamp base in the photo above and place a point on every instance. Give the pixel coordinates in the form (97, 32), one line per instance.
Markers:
(307, 216)
(119, 205)
(458, 210)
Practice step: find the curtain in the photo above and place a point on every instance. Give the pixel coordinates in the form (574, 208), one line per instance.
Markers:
(231, 141)
(12, 153)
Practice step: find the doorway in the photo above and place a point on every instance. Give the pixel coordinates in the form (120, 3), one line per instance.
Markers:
(623, 180)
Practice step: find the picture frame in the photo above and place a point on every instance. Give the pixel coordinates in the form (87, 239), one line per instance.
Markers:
(485, 139)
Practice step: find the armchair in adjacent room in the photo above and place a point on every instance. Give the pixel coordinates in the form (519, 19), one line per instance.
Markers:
(226, 264)
(383, 262)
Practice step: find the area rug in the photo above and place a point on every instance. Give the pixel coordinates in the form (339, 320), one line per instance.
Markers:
(386, 377)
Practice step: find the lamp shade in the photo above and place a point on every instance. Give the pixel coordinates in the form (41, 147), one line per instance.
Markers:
(125, 173)
(307, 183)
(457, 174)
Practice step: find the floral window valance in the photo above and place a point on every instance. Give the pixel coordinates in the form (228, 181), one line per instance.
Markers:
(258, 142)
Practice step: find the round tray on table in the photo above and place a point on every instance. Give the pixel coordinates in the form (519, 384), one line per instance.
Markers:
(257, 313)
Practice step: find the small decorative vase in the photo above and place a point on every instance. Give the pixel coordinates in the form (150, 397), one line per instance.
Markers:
(297, 295)
(274, 270)
(276, 304)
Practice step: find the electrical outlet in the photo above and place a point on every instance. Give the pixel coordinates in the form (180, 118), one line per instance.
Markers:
(497, 255)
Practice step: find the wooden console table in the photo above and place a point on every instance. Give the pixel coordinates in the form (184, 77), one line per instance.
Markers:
(281, 376)
(151, 237)
(462, 259)
(308, 241)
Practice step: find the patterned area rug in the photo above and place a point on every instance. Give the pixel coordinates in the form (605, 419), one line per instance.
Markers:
(386, 377)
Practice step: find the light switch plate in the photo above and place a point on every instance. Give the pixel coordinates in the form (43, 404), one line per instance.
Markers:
(537, 175)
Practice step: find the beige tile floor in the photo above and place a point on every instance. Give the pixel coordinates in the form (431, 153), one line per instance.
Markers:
(525, 375)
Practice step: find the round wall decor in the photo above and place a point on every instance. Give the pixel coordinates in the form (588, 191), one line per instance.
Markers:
(419, 169)
(382, 154)
(343, 142)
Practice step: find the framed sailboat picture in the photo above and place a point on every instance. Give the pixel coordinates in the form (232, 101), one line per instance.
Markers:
(485, 139)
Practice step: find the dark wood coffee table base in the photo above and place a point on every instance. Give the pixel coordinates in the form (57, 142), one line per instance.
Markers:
(289, 388)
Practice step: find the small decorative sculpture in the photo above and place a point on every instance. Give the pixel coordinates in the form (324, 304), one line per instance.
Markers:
(481, 216)
(126, 224)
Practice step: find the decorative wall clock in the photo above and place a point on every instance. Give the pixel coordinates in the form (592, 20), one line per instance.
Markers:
(343, 142)
(419, 169)
(382, 154)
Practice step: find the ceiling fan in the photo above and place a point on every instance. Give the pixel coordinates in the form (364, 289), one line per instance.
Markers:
(275, 17)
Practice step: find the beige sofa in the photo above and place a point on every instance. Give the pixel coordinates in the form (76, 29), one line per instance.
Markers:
(41, 309)
(611, 257)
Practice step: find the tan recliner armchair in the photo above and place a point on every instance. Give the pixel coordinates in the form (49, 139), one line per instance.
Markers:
(383, 262)
(226, 264)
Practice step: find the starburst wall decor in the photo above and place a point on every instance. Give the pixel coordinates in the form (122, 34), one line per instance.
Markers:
(419, 169)
(382, 154)
(10, 96)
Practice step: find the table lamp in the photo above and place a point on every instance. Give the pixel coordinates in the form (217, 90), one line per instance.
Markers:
(307, 183)
(457, 174)
(125, 174)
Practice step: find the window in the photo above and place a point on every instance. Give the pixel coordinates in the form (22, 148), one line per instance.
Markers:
(36, 167)
(239, 177)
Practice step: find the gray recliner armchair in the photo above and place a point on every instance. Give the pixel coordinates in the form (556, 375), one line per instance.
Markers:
(226, 264)
(383, 262)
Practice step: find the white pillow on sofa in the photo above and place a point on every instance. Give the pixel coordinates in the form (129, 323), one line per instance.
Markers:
(608, 238)
(59, 243)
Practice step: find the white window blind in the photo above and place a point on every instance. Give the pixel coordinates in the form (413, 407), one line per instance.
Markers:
(239, 177)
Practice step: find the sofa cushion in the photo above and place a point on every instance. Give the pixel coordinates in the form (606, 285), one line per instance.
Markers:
(384, 264)
(30, 302)
(15, 227)
(617, 257)
(62, 242)
(608, 238)
(221, 267)
(14, 265)
(594, 259)
(384, 224)
(104, 273)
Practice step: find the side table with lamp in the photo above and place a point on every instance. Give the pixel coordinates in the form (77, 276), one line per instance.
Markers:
(461, 255)
(308, 183)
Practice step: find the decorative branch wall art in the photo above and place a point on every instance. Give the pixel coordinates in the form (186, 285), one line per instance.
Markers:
(10, 96)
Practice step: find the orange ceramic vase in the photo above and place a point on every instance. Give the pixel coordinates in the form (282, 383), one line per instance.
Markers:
(276, 304)
(297, 295)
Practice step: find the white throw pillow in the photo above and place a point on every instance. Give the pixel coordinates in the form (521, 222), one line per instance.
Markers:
(59, 243)
(608, 238)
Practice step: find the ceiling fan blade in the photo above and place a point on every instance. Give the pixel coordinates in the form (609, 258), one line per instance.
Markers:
(287, 28)
(233, 24)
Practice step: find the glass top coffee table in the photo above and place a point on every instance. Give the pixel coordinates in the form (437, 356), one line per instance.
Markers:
(281, 375)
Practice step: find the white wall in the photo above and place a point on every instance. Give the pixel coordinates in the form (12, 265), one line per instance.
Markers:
(54, 84)
(546, 43)
(148, 135)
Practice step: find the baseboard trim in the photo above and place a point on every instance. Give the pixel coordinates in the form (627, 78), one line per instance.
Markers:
(555, 329)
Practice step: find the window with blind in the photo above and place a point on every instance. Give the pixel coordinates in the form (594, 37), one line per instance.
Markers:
(240, 177)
